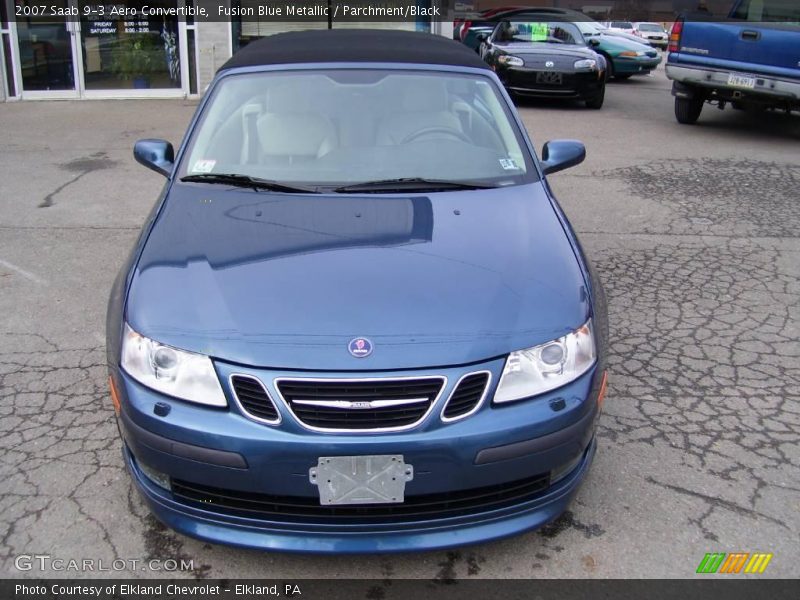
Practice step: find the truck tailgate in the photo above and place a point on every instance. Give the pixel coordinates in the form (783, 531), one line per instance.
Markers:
(759, 47)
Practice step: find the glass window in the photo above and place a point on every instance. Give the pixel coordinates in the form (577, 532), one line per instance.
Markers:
(650, 27)
(590, 28)
(556, 32)
(781, 11)
(353, 125)
(123, 52)
(249, 21)
(45, 50)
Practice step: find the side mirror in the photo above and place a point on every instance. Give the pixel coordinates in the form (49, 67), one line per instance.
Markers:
(594, 42)
(558, 155)
(157, 155)
(482, 37)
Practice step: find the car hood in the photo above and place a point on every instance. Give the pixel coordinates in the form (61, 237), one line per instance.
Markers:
(619, 43)
(286, 281)
(549, 50)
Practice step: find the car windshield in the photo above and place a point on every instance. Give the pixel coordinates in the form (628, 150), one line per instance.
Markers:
(650, 27)
(339, 127)
(621, 24)
(530, 30)
(589, 28)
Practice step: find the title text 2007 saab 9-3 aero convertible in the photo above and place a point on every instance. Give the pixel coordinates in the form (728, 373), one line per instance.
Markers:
(357, 320)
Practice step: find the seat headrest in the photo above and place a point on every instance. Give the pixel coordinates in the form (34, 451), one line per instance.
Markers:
(297, 94)
(295, 134)
(426, 94)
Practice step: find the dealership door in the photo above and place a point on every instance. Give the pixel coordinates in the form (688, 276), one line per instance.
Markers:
(97, 52)
(135, 55)
(46, 51)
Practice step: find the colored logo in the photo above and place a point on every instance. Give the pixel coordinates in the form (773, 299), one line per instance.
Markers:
(735, 562)
(360, 347)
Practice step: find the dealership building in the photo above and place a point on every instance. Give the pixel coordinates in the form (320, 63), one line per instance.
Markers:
(90, 49)
(117, 50)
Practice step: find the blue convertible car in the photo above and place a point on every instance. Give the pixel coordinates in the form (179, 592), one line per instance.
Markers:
(356, 319)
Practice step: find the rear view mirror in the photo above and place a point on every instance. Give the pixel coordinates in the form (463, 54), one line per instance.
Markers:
(558, 155)
(157, 155)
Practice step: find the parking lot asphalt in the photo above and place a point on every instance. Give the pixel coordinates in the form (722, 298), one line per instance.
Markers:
(694, 231)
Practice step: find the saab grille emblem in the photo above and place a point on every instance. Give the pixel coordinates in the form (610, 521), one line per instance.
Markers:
(550, 64)
(360, 347)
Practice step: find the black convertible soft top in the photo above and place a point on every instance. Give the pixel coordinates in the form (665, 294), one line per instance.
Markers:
(354, 45)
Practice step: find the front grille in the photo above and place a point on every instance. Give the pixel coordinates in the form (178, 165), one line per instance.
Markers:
(308, 508)
(254, 399)
(466, 396)
(360, 405)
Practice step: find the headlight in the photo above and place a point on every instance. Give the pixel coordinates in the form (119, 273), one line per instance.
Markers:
(174, 372)
(510, 61)
(543, 368)
(631, 54)
(586, 63)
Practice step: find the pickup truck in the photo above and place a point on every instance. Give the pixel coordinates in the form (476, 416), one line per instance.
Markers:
(750, 60)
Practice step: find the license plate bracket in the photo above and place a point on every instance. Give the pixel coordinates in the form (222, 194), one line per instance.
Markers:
(372, 479)
(549, 78)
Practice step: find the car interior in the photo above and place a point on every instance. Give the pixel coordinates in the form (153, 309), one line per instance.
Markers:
(311, 125)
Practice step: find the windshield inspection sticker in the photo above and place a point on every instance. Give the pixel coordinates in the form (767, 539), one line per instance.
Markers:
(204, 166)
(538, 31)
(508, 164)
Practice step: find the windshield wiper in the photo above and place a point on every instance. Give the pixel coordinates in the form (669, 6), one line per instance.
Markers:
(410, 184)
(239, 180)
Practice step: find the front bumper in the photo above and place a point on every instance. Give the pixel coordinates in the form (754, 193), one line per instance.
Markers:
(409, 537)
(524, 82)
(225, 451)
(635, 66)
(657, 42)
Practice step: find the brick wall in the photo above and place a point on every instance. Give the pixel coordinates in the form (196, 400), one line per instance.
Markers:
(213, 48)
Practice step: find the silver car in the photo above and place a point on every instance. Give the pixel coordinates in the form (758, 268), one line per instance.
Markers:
(652, 33)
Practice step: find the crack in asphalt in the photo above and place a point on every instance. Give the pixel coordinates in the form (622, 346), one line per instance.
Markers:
(714, 501)
(704, 345)
(57, 438)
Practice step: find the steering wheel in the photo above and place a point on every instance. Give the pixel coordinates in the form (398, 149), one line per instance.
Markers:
(433, 131)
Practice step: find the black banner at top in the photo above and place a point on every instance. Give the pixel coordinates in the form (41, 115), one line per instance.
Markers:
(408, 11)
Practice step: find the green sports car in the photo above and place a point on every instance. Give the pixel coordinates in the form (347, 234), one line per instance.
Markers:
(624, 57)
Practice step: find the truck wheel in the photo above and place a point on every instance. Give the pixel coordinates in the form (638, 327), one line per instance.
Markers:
(687, 110)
